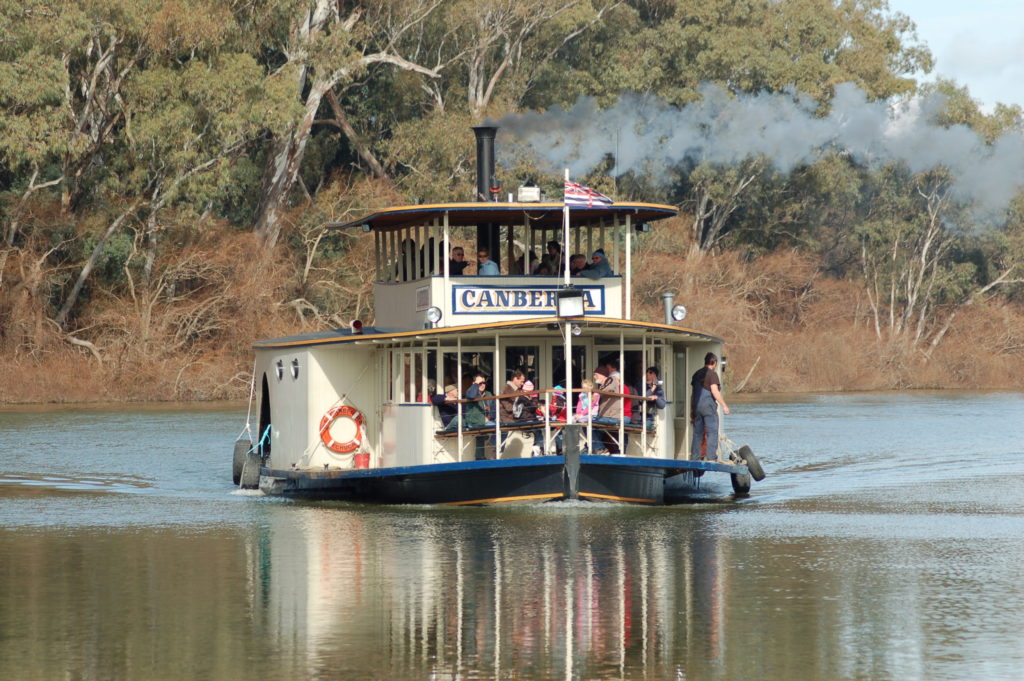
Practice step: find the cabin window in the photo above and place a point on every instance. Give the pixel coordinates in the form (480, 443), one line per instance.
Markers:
(407, 375)
(526, 358)
(579, 366)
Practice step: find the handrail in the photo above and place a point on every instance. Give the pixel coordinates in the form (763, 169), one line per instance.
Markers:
(546, 417)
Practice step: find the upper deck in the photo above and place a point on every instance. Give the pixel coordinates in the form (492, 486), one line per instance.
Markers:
(415, 272)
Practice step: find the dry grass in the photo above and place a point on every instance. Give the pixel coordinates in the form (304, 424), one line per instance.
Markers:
(791, 329)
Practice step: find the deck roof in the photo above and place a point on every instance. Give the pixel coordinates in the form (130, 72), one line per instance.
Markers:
(537, 215)
(593, 326)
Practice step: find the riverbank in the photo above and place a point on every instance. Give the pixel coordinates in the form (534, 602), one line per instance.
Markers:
(788, 327)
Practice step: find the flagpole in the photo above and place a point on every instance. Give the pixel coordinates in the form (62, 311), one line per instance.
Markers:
(568, 326)
(565, 231)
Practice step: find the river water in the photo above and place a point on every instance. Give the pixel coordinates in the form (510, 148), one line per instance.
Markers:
(886, 543)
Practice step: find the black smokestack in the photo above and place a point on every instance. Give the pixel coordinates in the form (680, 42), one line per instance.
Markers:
(485, 178)
(487, 236)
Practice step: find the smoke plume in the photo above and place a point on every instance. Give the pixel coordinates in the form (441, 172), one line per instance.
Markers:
(645, 133)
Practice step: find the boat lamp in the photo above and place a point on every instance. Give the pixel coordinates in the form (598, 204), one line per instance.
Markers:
(356, 326)
(433, 316)
(569, 302)
(678, 312)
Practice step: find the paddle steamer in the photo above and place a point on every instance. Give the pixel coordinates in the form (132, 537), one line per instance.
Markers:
(347, 414)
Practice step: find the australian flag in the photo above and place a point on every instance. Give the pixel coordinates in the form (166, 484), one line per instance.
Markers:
(584, 197)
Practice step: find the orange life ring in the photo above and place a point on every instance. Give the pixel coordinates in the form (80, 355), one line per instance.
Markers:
(325, 429)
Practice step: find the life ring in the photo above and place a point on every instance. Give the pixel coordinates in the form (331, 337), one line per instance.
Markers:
(341, 412)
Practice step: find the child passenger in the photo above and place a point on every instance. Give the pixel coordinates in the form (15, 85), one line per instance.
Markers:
(586, 407)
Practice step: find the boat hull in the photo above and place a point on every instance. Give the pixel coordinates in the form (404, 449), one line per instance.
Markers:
(631, 480)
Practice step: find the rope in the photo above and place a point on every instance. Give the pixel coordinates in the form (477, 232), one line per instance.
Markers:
(263, 440)
(248, 414)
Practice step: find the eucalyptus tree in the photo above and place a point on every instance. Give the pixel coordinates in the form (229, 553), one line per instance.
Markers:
(191, 104)
(316, 45)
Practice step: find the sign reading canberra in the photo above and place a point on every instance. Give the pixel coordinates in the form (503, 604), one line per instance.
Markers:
(525, 300)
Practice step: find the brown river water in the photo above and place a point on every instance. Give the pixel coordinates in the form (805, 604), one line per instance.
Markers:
(886, 543)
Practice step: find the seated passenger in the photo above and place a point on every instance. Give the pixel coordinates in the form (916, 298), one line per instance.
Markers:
(576, 264)
(479, 414)
(506, 409)
(485, 266)
(521, 409)
(609, 411)
(447, 407)
(598, 266)
(457, 264)
(556, 405)
(553, 258)
(586, 406)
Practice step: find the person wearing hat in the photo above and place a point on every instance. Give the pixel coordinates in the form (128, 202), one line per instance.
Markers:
(448, 407)
(598, 266)
(609, 408)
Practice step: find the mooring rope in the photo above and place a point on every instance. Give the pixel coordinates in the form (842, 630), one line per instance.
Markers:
(248, 414)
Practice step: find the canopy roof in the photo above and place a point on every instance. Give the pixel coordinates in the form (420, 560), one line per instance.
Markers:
(537, 215)
(594, 326)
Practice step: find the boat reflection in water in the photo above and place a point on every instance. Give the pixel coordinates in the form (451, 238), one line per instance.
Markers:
(543, 592)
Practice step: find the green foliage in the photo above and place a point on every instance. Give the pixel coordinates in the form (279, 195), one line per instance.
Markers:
(174, 107)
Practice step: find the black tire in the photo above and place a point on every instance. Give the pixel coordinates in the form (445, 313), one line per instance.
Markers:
(250, 478)
(741, 484)
(238, 460)
(753, 465)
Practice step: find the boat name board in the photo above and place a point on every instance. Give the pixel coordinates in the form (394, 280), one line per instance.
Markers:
(524, 300)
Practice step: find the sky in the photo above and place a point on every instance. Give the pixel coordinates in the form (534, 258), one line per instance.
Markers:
(977, 43)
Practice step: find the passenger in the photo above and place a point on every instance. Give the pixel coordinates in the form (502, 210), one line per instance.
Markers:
(553, 258)
(447, 407)
(506, 408)
(609, 410)
(457, 264)
(706, 419)
(485, 266)
(598, 266)
(556, 413)
(431, 391)
(653, 394)
(522, 409)
(405, 268)
(557, 404)
(526, 406)
(624, 388)
(479, 414)
(586, 406)
(426, 264)
(576, 264)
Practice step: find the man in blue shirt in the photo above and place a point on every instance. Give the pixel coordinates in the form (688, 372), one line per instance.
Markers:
(484, 265)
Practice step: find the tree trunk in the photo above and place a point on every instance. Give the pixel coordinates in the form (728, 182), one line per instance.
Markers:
(283, 168)
(361, 147)
(90, 264)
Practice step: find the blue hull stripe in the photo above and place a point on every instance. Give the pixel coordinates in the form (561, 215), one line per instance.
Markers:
(670, 466)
